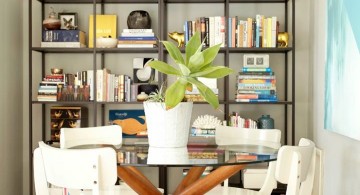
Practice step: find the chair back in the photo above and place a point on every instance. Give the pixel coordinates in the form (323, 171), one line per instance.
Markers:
(225, 135)
(93, 169)
(293, 164)
(71, 137)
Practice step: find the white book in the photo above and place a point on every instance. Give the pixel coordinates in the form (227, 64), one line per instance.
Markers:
(217, 26)
(135, 45)
(273, 31)
(137, 30)
(63, 44)
(137, 34)
(99, 85)
(212, 31)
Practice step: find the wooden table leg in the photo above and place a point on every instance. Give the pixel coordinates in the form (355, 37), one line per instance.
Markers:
(137, 181)
(205, 184)
(193, 174)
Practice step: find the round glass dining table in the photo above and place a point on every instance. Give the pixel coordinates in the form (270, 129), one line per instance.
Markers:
(227, 159)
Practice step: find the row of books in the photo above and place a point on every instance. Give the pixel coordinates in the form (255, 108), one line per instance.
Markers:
(235, 120)
(253, 32)
(256, 85)
(212, 30)
(79, 87)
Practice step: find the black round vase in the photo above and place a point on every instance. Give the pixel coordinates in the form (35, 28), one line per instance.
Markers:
(139, 19)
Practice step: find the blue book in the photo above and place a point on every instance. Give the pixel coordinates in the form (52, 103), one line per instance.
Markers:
(63, 36)
(136, 38)
(256, 69)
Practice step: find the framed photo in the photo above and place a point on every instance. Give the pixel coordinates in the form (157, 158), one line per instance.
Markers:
(256, 60)
(68, 20)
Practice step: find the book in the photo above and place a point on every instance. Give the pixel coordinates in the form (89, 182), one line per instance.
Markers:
(242, 91)
(256, 96)
(256, 100)
(137, 42)
(136, 45)
(137, 38)
(63, 44)
(138, 34)
(256, 69)
(132, 122)
(256, 73)
(137, 30)
(63, 36)
(105, 27)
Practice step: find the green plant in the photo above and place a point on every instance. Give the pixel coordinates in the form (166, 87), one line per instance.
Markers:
(157, 96)
(197, 63)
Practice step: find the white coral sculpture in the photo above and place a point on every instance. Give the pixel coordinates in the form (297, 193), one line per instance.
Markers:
(206, 122)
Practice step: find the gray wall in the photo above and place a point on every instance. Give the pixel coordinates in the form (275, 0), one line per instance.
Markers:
(11, 104)
(341, 154)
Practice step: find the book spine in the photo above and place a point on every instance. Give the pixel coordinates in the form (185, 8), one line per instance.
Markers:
(137, 34)
(255, 100)
(256, 96)
(63, 36)
(256, 69)
(136, 42)
(90, 83)
(136, 38)
(256, 81)
(99, 85)
(62, 44)
(137, 30)
(264, 92)
(116, 88)
(257, 73)
(207, 30)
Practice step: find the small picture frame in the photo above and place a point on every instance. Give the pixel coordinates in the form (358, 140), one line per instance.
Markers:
(69, 20)
(256, 60)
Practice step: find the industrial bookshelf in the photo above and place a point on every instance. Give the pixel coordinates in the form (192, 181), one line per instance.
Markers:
(164, 19)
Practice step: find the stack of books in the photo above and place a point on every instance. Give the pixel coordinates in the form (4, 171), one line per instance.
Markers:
(144, 38)
(256, 85)
(47, 90)
(63, 38)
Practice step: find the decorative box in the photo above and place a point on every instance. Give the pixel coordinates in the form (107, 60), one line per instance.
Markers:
(66, 116)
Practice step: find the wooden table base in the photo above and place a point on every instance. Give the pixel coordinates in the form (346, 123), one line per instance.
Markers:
(190, 184)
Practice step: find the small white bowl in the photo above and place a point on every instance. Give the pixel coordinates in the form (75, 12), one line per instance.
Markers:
(103, 42)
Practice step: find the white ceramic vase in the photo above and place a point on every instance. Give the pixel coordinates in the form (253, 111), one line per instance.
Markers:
(168, 128)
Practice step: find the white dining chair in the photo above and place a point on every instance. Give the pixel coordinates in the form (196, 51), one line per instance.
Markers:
(108, 135)
(292, 168)
(75, 171)
(225, 135)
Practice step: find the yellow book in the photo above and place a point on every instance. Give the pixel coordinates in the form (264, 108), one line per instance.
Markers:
(105, 27)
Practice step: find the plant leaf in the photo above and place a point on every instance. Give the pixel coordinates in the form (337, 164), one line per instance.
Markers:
(184, 70)
(174, 52)
(196, 60)
(175, 93)
(213, 72)
(164, 67)
(192, 46)
(206, 92)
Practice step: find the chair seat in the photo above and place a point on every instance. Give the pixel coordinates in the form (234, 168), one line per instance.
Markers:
(220, 190)
(118, 190)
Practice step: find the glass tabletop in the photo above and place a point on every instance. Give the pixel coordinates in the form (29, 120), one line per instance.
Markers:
(143, 155)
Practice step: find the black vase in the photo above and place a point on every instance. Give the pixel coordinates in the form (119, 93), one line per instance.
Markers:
(139, 19)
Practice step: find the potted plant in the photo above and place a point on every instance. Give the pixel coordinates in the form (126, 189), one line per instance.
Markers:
(170, 120)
